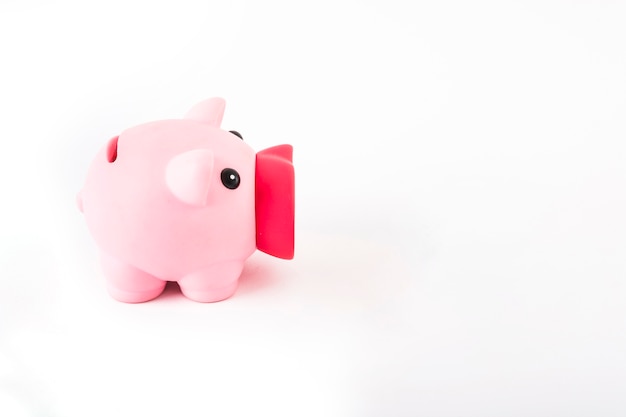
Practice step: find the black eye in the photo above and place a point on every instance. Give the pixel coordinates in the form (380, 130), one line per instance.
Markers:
(234, 132)
(230, 178)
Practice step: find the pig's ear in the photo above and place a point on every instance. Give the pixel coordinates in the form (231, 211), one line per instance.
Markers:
(275, 201)
(209, 112)
(188, 176)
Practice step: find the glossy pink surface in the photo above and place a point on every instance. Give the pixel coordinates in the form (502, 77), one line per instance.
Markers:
(155, 203)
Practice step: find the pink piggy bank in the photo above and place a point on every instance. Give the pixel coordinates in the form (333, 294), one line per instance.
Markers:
(183, 200)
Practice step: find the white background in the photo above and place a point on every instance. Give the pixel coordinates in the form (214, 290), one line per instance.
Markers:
(461, 206)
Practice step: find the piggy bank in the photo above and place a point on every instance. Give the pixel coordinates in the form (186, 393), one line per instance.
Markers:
(183, 200)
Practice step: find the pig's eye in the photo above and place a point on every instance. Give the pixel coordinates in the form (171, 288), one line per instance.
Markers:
(234, 132)
(230, 178)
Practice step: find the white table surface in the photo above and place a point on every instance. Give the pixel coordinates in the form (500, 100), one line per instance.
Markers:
(461, 206)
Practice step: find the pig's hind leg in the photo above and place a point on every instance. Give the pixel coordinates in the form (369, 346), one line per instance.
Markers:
(129, 284)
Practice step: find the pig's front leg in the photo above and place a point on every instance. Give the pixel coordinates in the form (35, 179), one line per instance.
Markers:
(129, 284)
(215, 283)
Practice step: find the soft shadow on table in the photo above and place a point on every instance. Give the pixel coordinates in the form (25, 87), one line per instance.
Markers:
(329, 272)
(260, 273)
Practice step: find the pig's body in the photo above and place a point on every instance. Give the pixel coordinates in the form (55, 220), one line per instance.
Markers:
(156, 203)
